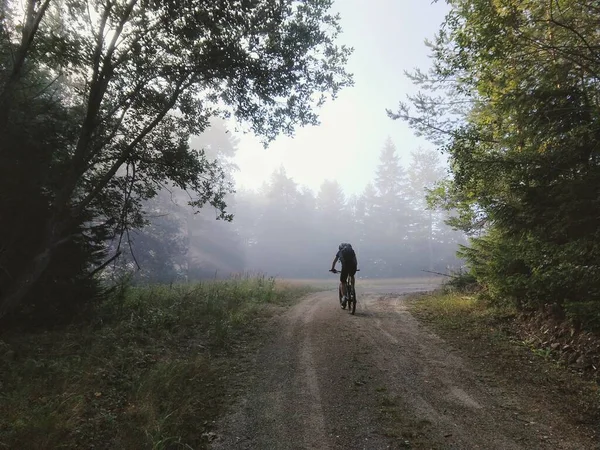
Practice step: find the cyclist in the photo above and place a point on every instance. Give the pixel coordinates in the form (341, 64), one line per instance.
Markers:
(347, 257)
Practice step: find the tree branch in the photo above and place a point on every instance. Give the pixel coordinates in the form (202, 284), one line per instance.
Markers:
(112, 46)
(127, 152)
(439, 273)
(126, 105)
(104, 264)
(99, 43)
(30, 28)
(96, 95)
(572, 30)
(424, 123)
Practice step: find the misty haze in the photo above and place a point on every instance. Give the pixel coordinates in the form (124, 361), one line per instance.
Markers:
(299, 224)
(287, 230)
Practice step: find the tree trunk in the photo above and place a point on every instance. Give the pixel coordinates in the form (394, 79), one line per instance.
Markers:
(30, 28)
(430, 239)
(26, 280)
(19, 289)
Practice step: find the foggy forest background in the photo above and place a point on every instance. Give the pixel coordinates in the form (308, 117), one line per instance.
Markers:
(286, 229)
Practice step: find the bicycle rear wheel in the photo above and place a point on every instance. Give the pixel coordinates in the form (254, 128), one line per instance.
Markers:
(352, 300)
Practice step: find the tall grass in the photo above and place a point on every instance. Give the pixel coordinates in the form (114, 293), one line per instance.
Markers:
(217, 307)
(151, 371)
(452, 310)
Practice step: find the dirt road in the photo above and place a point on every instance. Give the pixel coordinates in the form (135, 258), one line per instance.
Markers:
(379, 380)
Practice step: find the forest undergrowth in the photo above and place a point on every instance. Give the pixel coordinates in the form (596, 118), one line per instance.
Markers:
(535, 348)
(153, 370)
(571, 340)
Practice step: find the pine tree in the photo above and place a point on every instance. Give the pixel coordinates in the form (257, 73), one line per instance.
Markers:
(390, 211)
(391, 206)
(331, 200)
(424, 172)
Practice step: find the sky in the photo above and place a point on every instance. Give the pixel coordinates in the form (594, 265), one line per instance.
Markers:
(388, 39)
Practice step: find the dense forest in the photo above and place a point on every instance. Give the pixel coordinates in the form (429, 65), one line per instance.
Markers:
(284, 229)
(513, 98)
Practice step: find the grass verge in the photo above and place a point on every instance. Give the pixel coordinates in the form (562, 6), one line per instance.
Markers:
(154, 370)
(493, 341)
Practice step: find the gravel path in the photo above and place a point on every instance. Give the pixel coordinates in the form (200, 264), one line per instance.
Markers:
(378, 380)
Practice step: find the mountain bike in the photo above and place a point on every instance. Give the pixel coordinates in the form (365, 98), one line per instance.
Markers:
(351, 293)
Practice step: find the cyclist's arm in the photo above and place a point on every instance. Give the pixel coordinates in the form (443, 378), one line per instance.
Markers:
(334, 262)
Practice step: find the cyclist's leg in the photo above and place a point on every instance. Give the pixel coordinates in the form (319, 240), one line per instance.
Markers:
(352, 273)
(343, 278)
(344, 289)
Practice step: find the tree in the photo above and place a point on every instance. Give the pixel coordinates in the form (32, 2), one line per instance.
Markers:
(524, 148)
(365, 230)
(424, 172)
(25, 194)
(215, 247)
(284, 230)
(391, 210)
(156, 252)
(138, 78)
(391, 186)
(331, 200)
(333, 219)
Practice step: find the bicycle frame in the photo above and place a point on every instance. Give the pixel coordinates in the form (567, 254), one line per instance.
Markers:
(350, 292)
(349, 287)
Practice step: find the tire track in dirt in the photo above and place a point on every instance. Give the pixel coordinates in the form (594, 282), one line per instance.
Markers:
(314, 431)
(416, 371)
(447, 400)
(283, 409)
(306, 392)
(377, 380)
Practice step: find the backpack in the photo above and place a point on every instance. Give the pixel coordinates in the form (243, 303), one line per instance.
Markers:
(347, 254)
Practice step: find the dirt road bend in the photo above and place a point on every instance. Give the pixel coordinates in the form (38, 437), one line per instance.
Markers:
(378, 380)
